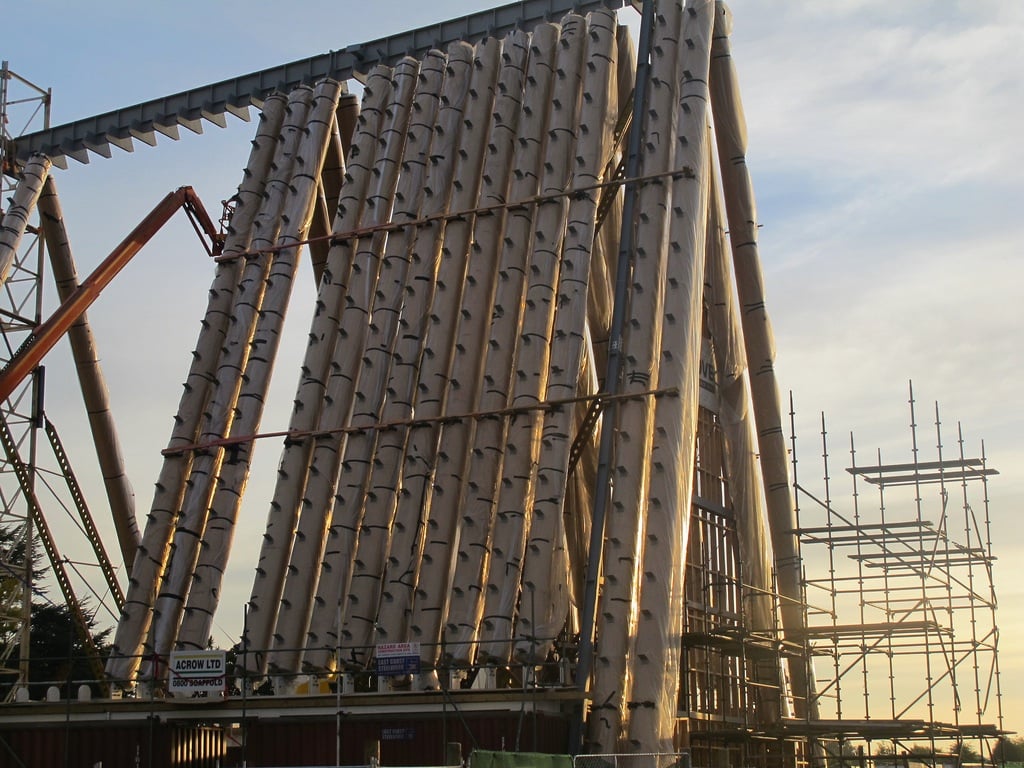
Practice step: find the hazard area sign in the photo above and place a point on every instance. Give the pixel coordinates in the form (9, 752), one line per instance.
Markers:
(397, 658)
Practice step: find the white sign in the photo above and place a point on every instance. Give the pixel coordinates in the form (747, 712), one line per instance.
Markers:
(194, 671)
(708, 378)
(398, 649)
(398, 659)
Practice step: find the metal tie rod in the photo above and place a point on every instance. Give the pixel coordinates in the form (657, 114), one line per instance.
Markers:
(122, 127)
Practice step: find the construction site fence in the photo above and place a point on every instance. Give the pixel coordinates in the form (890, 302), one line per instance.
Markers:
(491, 674)
(484, 759)
(634, 760)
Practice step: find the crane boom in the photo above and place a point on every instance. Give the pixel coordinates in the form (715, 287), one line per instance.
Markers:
(50, 331)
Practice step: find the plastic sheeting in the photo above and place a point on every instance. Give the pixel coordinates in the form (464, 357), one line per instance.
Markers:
(222, 411)
(16, 217)
(513, 518)
(627, 514)
(655, 685)
(247, 353)
(477, 495)
(283, 516)
(545, 572)
(416, 451)
(437, 480)
(392, 285)
(226, 502)
(154, 547)
(441, 513)
(317, 499)
(733, 408)
(392, 529)
(512, 120)
(741, 211)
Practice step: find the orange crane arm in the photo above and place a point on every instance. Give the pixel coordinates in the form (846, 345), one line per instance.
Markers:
(49, 332)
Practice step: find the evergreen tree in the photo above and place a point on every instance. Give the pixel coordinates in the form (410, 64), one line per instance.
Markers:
(57, 655)
(1009, 750)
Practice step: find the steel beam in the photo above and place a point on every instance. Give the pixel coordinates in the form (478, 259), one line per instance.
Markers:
(121, 128)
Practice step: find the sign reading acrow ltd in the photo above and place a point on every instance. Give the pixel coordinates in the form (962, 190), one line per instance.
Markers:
(194, 671)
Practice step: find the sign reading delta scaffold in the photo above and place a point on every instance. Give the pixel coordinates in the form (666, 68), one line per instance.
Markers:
(196, 671)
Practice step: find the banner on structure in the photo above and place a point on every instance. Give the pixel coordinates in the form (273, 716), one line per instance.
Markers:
(398, 658)
(196, 671)
(708, 378)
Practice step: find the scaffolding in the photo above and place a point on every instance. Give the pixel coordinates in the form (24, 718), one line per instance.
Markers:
(901, 604)
(24, 107)
(900, 601)
(733, 690)
(39, 491)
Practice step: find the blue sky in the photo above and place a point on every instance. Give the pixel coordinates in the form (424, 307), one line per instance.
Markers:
(885, 151)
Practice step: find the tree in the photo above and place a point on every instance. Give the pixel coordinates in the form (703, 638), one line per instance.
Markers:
(57, 655)
(12, 579)
(1009, 750)
(968, 754)
(840, 754)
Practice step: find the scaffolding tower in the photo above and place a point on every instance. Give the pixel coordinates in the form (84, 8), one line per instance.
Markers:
(733, 688)
(24, 107)
(39, 491)
(901, 631)
(901, 604)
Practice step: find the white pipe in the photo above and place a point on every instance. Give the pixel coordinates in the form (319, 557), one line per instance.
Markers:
(654, 692)
(466, 379)
(739, 444)
(737, 423)
(238, 344)
(317, 500)
(283, 514)
(624, 528)
(204, 593)
(395, 275)
(412, 503)
(15, 219)
(741, 211)
(332, 180)
(479, 495)
(602, 279)
(545, 572)
(170, 487)
(531, 353)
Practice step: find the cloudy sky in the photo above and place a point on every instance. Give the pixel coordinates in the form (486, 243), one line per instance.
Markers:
(888, 175)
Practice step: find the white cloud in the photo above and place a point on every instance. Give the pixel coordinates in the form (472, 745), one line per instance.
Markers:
(850, 94)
